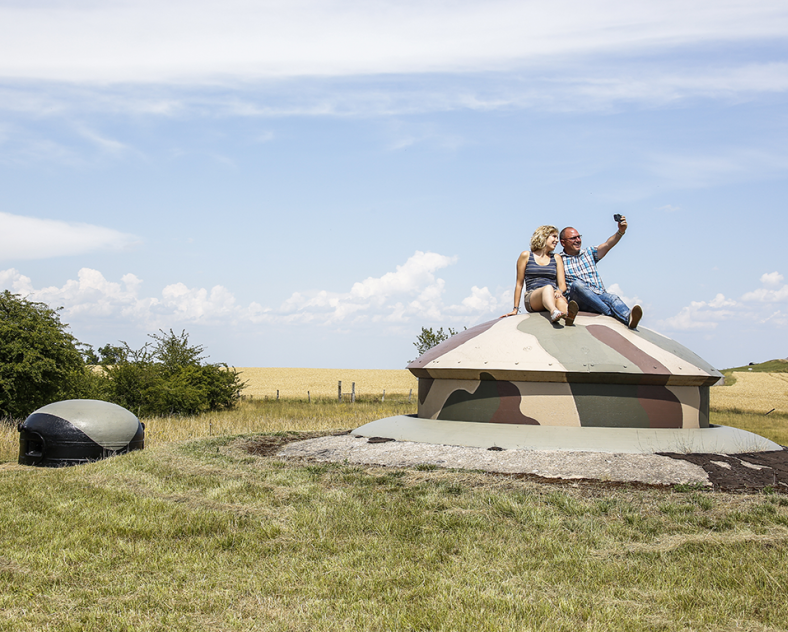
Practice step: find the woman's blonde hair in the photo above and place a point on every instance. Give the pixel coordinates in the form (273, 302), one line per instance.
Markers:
(540, 236)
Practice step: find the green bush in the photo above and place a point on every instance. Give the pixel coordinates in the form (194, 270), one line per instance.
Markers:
(168, 377)
(428, 339)
(40, 361)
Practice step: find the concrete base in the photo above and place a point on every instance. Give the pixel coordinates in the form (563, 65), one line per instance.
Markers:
(714, 440)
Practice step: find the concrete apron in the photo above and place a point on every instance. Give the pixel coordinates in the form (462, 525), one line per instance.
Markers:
(713, 440)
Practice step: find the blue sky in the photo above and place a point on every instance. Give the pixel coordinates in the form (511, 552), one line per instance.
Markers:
(308, 183)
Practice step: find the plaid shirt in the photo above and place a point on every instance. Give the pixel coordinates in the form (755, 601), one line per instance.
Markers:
(583, 266)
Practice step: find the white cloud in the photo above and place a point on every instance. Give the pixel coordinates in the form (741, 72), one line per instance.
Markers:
(411, 292)
(197, 304)
(416, 272)
(35, 238)
(766, 295)
(562, 85)
(615, 288)
(778, 318)
(197, 40)
(771, 278)
(480, 301)
(700, 315)
(16, 282)
(749, 308)
(689, 318)
(92, 297)
(104, 143)
(719, 301)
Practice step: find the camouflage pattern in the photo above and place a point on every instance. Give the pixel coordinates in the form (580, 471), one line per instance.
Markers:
(526, 370)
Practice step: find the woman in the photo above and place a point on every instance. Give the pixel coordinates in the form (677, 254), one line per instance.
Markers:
(542, 272)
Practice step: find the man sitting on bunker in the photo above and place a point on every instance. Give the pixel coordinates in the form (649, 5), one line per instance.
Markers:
(584, 284)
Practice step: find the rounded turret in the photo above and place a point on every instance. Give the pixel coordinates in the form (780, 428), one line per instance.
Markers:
(597, 373)
(78, 431)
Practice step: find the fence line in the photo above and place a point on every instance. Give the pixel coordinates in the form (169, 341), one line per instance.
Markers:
(340, 394)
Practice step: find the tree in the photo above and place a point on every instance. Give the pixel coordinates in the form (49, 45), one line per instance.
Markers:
(168, 376)
(427, 339)
(111, 354)
(40, 361)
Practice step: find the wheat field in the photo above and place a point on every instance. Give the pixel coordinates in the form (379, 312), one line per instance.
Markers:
(295, 383)
(753, 392)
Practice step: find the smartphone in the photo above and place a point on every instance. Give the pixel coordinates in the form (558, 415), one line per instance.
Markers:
(617, 217)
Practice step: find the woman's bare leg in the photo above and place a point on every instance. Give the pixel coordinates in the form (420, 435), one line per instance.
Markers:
(543, 299)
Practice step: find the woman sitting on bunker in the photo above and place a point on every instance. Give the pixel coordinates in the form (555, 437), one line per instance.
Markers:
(542, 273)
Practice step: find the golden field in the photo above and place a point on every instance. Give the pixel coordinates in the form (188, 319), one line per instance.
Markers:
(294, 383)
(753, 392)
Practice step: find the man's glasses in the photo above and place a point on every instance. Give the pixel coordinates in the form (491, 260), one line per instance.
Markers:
(575, 238)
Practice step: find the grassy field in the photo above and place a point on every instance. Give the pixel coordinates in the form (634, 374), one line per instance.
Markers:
(753, 392)
(200, 535)
(195, 533)
(754, 400)
(294, 383)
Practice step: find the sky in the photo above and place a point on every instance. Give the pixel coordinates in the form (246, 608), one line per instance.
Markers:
(309, 183)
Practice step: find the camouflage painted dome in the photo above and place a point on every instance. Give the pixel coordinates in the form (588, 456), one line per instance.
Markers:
(526, 370)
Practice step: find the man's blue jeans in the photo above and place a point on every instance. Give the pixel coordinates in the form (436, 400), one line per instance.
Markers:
(607, 304)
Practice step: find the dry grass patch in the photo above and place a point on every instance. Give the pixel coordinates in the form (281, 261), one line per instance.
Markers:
(294, 383)
(753, 392)
(9, 442)
(267, 416)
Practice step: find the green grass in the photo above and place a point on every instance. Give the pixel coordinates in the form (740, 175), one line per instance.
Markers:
(200, 535)
(773, 426)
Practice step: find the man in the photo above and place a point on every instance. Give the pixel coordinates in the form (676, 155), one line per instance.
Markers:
(582, 279)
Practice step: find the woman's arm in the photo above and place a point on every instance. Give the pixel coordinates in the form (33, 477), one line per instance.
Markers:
(522, 261)
(559, 267)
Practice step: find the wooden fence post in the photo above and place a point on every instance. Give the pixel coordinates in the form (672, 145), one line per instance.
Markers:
(309, 397)
(383, 399)
(353, 393)
(410, 394)
(339, 389)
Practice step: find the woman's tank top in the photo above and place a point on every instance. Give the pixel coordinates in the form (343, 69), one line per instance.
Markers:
(537, 276)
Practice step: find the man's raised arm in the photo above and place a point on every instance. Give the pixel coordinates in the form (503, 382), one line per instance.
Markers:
(604, 248)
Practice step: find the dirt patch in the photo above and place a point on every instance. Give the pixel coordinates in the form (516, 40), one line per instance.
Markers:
(269, 445)
(742, 472)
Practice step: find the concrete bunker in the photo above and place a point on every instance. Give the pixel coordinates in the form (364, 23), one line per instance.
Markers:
(78, 431)
(523, 382)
